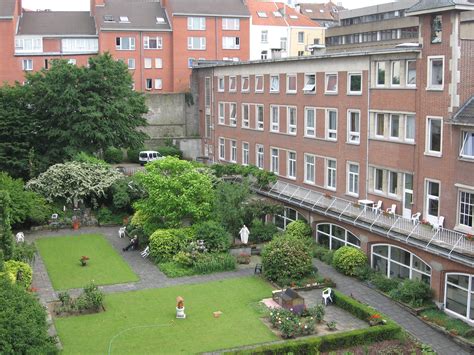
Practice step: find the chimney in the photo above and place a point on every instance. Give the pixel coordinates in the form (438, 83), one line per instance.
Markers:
(94, 4)
(163, 3)
(19, 8)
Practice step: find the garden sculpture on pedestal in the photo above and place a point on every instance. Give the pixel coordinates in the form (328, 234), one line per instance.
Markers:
(180, 308)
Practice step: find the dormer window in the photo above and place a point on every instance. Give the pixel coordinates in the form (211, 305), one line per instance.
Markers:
(277, 14)
(160, 20)
(109, 18)
(261, 14)
(309, 10)
(124, 19)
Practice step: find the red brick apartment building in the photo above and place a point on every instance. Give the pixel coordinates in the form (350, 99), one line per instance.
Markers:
(347, 131)
(158, 40)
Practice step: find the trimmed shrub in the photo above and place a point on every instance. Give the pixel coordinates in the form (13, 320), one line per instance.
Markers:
(113, 155)
(208, 263)
(132, 154)
(299, 229)
(383, 283)
(166, 151)
(215, 237)
(347, 258)
(287, 257)
(165, 243)
(21, 271)
(262, 232)
(414, 292)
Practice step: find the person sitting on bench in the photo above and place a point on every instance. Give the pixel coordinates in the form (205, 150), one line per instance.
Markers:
(133, 244)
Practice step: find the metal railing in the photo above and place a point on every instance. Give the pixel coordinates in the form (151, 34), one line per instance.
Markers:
(448, 243)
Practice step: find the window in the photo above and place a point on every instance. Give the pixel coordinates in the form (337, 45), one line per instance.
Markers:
(380, 124)
(396, 262)
(300, 53)
(259, 117)
(264, 55)
(245, 153)
(283, 43)
(221, 148)
(411, 73)
(28, 45)
(152, 42)
(196, 23)
(27, 64)
(353, 179)
(310, 122)
(392, 182)
(466, 209)
(331, 125)
(147, 63)
(233, 151)
(291, 165)
(244, 83)
(291, 83)
(245, 116)
(208, 126)
(264, 37)
(261, 14)
(380, 73)
(230, 42)
(378, 180)
(291, 120)
(396, 73)
(435, 73)
(410, 128)
(258, 83)
(436, 28)
(158, 63)
(309, 84)
(331, 83)
(231, 24)
(69, 45)
(355, 84)
(353, 133)
(124, 19)
(232, 83)
(72, 61)
(333, 237)
(432, 199)
(459, 295)
(125, 43)
(191, 62)
(277, 14)
(467, 145)
(220, 84)
(289, 215)
(275, 118)
(274, 83)
(309, 168)
(395, 126)
(196, 43)
(233, 114)
(434, 136)
(158, 84)
(148, 84)
(274, 161)
(331, 174)
(300, 37)
(221, 112)
(260, 155)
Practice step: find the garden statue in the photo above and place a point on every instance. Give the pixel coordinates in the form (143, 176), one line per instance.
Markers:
(244, 234)
(180, 308)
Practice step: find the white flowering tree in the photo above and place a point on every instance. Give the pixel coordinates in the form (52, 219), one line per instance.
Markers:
(74, 181)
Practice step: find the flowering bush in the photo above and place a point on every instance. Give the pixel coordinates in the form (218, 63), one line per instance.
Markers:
(375, 319)
(291, 325)
(19, 272)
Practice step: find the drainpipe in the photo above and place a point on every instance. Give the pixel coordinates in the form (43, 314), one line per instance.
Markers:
(141, 62)
(368, 128)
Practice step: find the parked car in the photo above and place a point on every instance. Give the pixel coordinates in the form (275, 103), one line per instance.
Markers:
(146, 156)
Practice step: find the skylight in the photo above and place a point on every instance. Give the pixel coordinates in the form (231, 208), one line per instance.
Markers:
(277, 14)
(160, 20)
(309, 10)
(293, 16)
(262, 14)
(108, 18)
(124, 19)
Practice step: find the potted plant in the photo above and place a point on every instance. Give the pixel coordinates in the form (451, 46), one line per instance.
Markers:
(76, 223)
(375, 319)
(469, 237)
(84, 260)
(331, 325)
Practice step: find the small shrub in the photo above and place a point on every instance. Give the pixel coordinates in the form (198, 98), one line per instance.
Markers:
(64, 298)
(21, 271)
(384, 283)
(132, 154)
(414, 292)
(94, 298)
(113, 155)
(262, 232)
(164, 244)
(183, 258)
(83, 157)
(106, 216)
(347, 258)
(299, 229)
(216, 238)
(166, 151)
(363, 272)
(317, 312)
(324, 254)
(208, 263)
(243, 259)
(173, 269)
(24, 252)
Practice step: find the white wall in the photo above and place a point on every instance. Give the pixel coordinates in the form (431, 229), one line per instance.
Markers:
(274, 35)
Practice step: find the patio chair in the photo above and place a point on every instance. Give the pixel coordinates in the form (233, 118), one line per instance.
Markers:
(121, 232)
(20, 237)
(391, 210)
(439, 225)
(327, 295)
(145, 252)
(378, 207)
(54, 223)
(416, 218)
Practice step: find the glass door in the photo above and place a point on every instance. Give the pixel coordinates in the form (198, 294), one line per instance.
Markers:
(408, 196)
(432, 201)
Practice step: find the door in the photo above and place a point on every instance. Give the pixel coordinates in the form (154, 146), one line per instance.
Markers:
(407, 196)
(432, 201)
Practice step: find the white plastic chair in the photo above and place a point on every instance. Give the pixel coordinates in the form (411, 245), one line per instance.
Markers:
(121, 232)
(392, 209)
(439, 225)
(145, 252)
(327, 295)
(416, 218)
(20, 237)
(378, 207)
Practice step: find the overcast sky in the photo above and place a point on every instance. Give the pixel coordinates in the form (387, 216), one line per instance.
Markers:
(83, 5)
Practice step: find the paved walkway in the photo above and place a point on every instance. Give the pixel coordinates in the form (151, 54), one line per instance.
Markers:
(350, 286)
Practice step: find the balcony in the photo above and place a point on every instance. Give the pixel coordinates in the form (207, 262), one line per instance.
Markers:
(447, 243)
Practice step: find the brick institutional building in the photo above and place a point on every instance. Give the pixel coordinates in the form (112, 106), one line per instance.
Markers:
(373, 147)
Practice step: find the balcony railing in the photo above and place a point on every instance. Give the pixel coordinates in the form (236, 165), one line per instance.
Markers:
(447, 243)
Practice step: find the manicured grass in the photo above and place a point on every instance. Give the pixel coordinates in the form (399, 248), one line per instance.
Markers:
(149, 316)
(61, 256)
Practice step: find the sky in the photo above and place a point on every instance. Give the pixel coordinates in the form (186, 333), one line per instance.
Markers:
(83, 5)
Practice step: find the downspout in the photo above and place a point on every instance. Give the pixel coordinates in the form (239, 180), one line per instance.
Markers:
(141, 63)
(368, 128)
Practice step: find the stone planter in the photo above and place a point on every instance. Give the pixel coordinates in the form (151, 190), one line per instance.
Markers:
(180, 313)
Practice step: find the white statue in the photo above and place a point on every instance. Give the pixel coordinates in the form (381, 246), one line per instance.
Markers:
(244, 234)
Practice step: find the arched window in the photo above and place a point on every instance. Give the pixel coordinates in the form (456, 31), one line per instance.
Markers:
(334, 237)
(289, 215)
(398, 262)
(459, 295)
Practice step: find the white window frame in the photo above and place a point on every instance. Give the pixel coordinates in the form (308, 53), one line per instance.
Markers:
(353, 179)
(469, 292)
(158, 84)
(465, 227)
(330, 175)
(230, 42)
(147, 63)
(377, 125)
(27, 64)
(230, 24)
(309, 130)
(309, 168)
(413, 118)
(257, 77)
(158, 63)
(131, 42)
(191, 62)
(275, 118)
(259, 156)
(131, 63)
(375, 172)
(158, 39)
(393, 65)
(353, 137)
(332, 235)
(200, 46)
(291, 159)
(349, 78)
(291, 124)
(259, 121)
(390, 175)
(274, 160)
(196, 23)
(148, 84)
(429, 197)
(245, 79)
(331, 134)
(221, 148)
(407, 70)
(232, 83)
(221, 112)
(300, 34)
(245, 120)
(428, 150)
(466, 140)
(264, 36)
(233, 151)
(233, 114)
(308, 87)
(326, 81)
(391, 120)
(274, 88)
(377, 68)
(220, 84)
(245, 153)
(430, 85)
(288, 78)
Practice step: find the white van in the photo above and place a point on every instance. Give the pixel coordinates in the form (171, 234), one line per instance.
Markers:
(148, 155)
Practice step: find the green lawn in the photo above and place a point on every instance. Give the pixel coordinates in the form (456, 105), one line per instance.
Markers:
(143, 322)
(61, 256)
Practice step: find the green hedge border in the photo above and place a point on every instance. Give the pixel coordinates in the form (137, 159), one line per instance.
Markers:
(332, 342)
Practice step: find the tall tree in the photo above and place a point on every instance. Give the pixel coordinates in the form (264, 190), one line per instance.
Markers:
(6, 237)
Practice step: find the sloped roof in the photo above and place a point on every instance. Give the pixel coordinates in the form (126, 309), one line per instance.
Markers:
(465, 115)
(57, 23)
(289, 16)
(140, 14)
(433, 5)
(221, 8)
(7, 8)
(326, 12)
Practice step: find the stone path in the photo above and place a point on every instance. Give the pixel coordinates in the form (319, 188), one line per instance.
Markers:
(350, 286)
